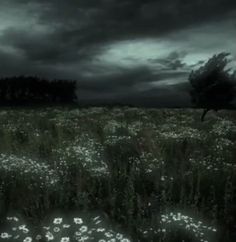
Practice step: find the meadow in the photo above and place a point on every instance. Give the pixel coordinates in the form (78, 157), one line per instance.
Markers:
(117, 174)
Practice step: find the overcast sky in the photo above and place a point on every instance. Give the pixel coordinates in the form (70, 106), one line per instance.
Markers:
(136, 51)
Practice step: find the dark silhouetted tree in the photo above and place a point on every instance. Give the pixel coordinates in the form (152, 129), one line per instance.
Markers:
(213, 86)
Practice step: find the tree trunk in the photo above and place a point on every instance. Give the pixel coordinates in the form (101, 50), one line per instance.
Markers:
(204, 114)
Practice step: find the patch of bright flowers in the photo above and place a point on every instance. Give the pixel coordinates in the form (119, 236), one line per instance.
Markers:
(60, 229)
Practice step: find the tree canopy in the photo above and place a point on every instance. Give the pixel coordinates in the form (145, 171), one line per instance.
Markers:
(213, 85)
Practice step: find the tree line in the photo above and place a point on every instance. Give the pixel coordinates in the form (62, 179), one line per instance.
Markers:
(29, 89)
(213, 87)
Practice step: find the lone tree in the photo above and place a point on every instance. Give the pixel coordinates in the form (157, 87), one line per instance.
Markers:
(213, 86)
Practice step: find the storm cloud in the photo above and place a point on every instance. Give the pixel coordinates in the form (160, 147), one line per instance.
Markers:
(115, 48)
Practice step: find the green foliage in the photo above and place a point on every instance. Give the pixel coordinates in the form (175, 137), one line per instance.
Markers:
(136, 166)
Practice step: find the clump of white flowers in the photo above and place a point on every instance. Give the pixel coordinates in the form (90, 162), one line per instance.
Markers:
(178, 222)
(24, 169)
(115, 132)
(174, 131)
(84, 152)
(112, 126)
(224, 128)
(16, 230)
(195, 227)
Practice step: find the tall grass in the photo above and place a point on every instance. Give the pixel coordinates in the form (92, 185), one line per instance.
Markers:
(158, 175)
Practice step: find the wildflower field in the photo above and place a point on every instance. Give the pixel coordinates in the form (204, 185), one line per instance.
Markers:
(117, 174)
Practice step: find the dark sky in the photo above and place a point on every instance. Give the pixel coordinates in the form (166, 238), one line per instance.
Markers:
(137, 51)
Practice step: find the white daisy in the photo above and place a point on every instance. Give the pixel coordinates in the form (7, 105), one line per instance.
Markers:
(38, 237)
(49, 236)
(27, 239)
(57, 220)
(100, 229)
(22, 227)
(56, 229)
(119, 236)
(83, 229)
(13, 218)
(108, 234)
(5, 235)
(78, 221)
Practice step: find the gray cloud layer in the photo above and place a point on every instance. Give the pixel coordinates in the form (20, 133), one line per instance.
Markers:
(61, 39)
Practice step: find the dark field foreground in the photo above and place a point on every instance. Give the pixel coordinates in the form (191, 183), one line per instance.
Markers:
(121, 174)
